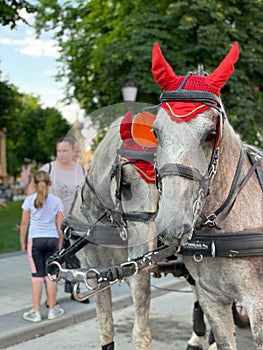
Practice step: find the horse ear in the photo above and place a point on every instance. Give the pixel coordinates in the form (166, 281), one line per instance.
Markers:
(222, 73)
(162, 71)
(125, 126)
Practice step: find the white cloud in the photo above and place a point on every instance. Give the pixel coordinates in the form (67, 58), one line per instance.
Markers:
(34, 47)
(38, 47)
(28, 17)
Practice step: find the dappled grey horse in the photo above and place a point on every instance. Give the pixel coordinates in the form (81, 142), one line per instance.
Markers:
(211, 204)
(116, 204)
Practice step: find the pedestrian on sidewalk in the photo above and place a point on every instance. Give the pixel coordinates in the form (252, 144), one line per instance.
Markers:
(67, 177)
(42, 216)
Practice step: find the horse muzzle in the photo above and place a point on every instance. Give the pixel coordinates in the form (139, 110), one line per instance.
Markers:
(174, 235)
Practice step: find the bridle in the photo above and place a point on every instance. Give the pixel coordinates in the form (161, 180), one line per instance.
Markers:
(193, 174)
(204, 243)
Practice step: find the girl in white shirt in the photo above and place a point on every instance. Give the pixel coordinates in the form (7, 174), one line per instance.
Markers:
(42, 216)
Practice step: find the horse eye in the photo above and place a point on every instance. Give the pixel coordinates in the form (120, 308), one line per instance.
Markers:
(126, 185)
(210, 136)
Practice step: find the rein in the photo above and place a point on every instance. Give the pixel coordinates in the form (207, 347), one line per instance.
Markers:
(110, 274)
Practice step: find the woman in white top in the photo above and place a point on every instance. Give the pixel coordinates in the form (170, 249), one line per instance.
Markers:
(42, 216)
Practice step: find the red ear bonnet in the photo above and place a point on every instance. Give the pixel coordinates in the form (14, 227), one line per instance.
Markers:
(167, 79)
(162, 71)
(222, 73)
(125, 126)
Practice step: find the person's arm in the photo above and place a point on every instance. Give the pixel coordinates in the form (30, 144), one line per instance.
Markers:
(31, 189)
(23, 229)
(60, 218)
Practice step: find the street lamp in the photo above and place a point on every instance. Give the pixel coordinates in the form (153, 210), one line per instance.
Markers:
(129, 90)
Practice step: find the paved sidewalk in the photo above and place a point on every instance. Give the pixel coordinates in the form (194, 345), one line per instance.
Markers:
(15, 296)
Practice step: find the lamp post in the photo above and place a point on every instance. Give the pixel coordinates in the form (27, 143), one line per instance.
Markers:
(129, 90)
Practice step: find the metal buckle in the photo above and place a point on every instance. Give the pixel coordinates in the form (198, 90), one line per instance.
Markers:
(134, 263)
(211, 222)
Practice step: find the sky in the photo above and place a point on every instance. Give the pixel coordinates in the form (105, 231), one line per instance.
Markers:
(30, 64)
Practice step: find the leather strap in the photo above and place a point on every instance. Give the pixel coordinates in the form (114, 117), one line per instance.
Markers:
(190, 95)
(147, 155)
(253, 155)
(227, 244)
(179, 170)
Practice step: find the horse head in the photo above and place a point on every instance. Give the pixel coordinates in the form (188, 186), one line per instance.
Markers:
(188, 128)
(133, 187)
(121, 185)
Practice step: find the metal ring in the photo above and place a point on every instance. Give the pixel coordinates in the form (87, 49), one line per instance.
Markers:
(67, 235)
(86, 280)
(198, 258)
(124, 234)
(58, 276)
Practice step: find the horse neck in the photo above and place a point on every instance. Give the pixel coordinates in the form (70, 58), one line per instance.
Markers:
(229, 153)
(247, 212)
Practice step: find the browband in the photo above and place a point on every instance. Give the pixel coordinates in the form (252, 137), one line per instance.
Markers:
(190, 95)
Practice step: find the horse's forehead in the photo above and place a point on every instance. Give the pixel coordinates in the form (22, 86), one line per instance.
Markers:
(194, 127)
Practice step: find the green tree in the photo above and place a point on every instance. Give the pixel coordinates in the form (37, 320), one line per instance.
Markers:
(102, 42)
(31, 132)
(10, 11)
(55, 127)
(8, 102)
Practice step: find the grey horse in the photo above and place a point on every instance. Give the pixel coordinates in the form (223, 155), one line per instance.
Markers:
(97, 204)
(211, 204)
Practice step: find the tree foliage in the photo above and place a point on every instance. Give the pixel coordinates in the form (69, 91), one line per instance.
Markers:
(10, 11)
(102, 42)
(31, 130)
(8, 102)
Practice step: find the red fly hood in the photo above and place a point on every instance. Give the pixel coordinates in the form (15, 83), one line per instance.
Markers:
(167, 79)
